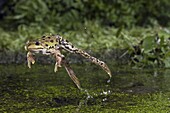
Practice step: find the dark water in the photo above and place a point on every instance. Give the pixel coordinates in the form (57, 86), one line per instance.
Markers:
(41, 90)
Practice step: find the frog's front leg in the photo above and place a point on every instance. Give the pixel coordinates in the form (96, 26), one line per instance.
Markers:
(30, 59)
(58, 57)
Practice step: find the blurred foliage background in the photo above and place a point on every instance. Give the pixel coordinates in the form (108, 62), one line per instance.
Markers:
(89, 24)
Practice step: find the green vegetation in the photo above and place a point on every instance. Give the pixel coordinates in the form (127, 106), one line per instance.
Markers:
(153, 50)
(91, 25)
(69, 15)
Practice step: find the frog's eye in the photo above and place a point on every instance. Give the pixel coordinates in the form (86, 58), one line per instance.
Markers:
(37, 43)
(43, 37)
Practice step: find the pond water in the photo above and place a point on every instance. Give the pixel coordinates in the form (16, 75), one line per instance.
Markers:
(39, 89)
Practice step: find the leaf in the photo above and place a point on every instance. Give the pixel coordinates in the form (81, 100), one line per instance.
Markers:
(119, 31)
(17, 17)
(148, 44)
(167, 62)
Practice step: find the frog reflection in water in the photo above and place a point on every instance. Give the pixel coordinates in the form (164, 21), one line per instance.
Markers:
(52, 45)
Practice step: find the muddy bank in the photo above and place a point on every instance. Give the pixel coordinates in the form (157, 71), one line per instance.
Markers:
(8, 57)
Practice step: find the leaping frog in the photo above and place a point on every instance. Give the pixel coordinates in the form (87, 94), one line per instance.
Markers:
(52, 45)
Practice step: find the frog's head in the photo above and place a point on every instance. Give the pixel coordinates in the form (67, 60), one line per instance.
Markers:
(34, 46)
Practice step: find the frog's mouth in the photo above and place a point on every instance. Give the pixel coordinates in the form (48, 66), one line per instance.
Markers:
(33, 48)
(36, 50)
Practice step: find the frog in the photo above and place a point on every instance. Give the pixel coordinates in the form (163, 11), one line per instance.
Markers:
(53, 45)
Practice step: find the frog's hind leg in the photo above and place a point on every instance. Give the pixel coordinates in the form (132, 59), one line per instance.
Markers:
(102, 64)
(69, 47)
(71, 73)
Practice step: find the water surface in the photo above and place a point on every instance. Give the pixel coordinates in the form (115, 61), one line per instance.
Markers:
(41, 90)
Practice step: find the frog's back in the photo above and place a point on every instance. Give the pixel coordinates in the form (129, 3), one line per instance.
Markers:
(50, 41)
